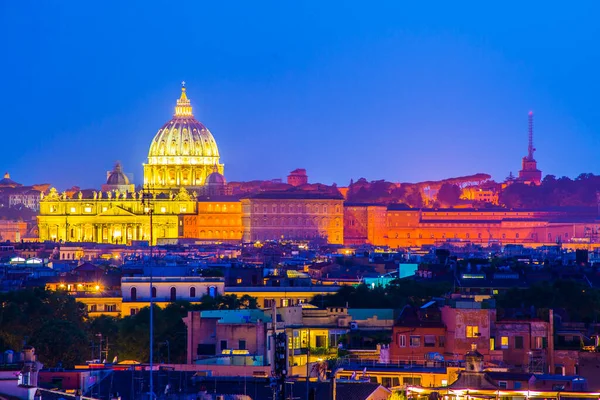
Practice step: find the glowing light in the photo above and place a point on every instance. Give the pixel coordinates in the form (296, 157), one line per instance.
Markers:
(97, 288)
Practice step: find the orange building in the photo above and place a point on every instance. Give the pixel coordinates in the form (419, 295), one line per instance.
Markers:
(417, 227)
(12, 231)
(480, 195)
(293, 214)
(218, 218)
(365, 223)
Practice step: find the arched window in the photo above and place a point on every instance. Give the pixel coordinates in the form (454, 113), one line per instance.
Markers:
(153, 292)
(212, 291)
(192, 292)
(173, 294)
(133, 294)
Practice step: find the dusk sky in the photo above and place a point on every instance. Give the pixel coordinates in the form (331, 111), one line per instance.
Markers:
(402, 91)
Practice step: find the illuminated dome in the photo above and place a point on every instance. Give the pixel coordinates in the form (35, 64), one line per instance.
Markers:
(183, 140)
(183, 152)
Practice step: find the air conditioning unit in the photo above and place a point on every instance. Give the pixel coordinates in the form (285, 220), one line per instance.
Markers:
(353, 325)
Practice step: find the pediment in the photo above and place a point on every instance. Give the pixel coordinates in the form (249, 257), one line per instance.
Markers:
(116, 211)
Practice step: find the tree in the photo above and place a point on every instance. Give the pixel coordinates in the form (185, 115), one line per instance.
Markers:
(448, 195)
(59, 341)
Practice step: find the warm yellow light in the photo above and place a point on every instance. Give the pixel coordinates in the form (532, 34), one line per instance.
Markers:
(62, 285)
(79, 285)
(97, 287)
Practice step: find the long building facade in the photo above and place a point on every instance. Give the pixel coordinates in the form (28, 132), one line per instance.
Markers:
(293, 215)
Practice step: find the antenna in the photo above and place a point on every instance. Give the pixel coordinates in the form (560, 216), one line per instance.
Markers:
(531, 149)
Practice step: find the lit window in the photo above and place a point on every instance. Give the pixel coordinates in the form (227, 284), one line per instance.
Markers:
(87, 209)
(183, 209)
(163, 209)
(73, 209)
(472, 331)
(104, 209)
(415, 341)
(504, 342)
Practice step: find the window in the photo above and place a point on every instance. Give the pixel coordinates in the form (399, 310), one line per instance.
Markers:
(429, 341)
(238, 281)
(133, 311)
(133, 294)
(269, 303)
(163, 209)
(92, 308)
(110, 308)
(87, 209)
(539, 342)
(242, 345)
(442, 341)
(411, 380)
(492, 343)
(192, 292)
(73, 209)
(504, 342)
(473, 331)
(516, 385)
(401, 340)
(415, 341)
(223, 344)
(173, 294)
(153, 292)
(386, 381)
(503, 384)
(518, 342)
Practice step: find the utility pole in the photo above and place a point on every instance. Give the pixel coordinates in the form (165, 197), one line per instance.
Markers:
(148, 205)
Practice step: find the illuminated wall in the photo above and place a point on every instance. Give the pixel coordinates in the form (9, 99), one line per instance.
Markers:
(365, 223)
(116, 218)
(215, 220)
(407, 228)
(279, 216)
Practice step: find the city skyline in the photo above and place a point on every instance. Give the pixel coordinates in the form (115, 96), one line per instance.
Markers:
(285, 97)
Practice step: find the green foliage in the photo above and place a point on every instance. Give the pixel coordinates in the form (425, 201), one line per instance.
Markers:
(553, 192)
(61, 332)
(58, 341)
(448, 195)
(227, 302)
(396, 295)
(37, 317)
(581, 302)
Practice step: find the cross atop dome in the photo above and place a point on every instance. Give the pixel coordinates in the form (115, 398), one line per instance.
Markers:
(184, 107)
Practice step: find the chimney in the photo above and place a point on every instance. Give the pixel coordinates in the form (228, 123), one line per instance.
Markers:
(28, 354)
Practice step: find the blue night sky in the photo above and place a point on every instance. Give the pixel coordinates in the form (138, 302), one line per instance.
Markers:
(403, 91)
